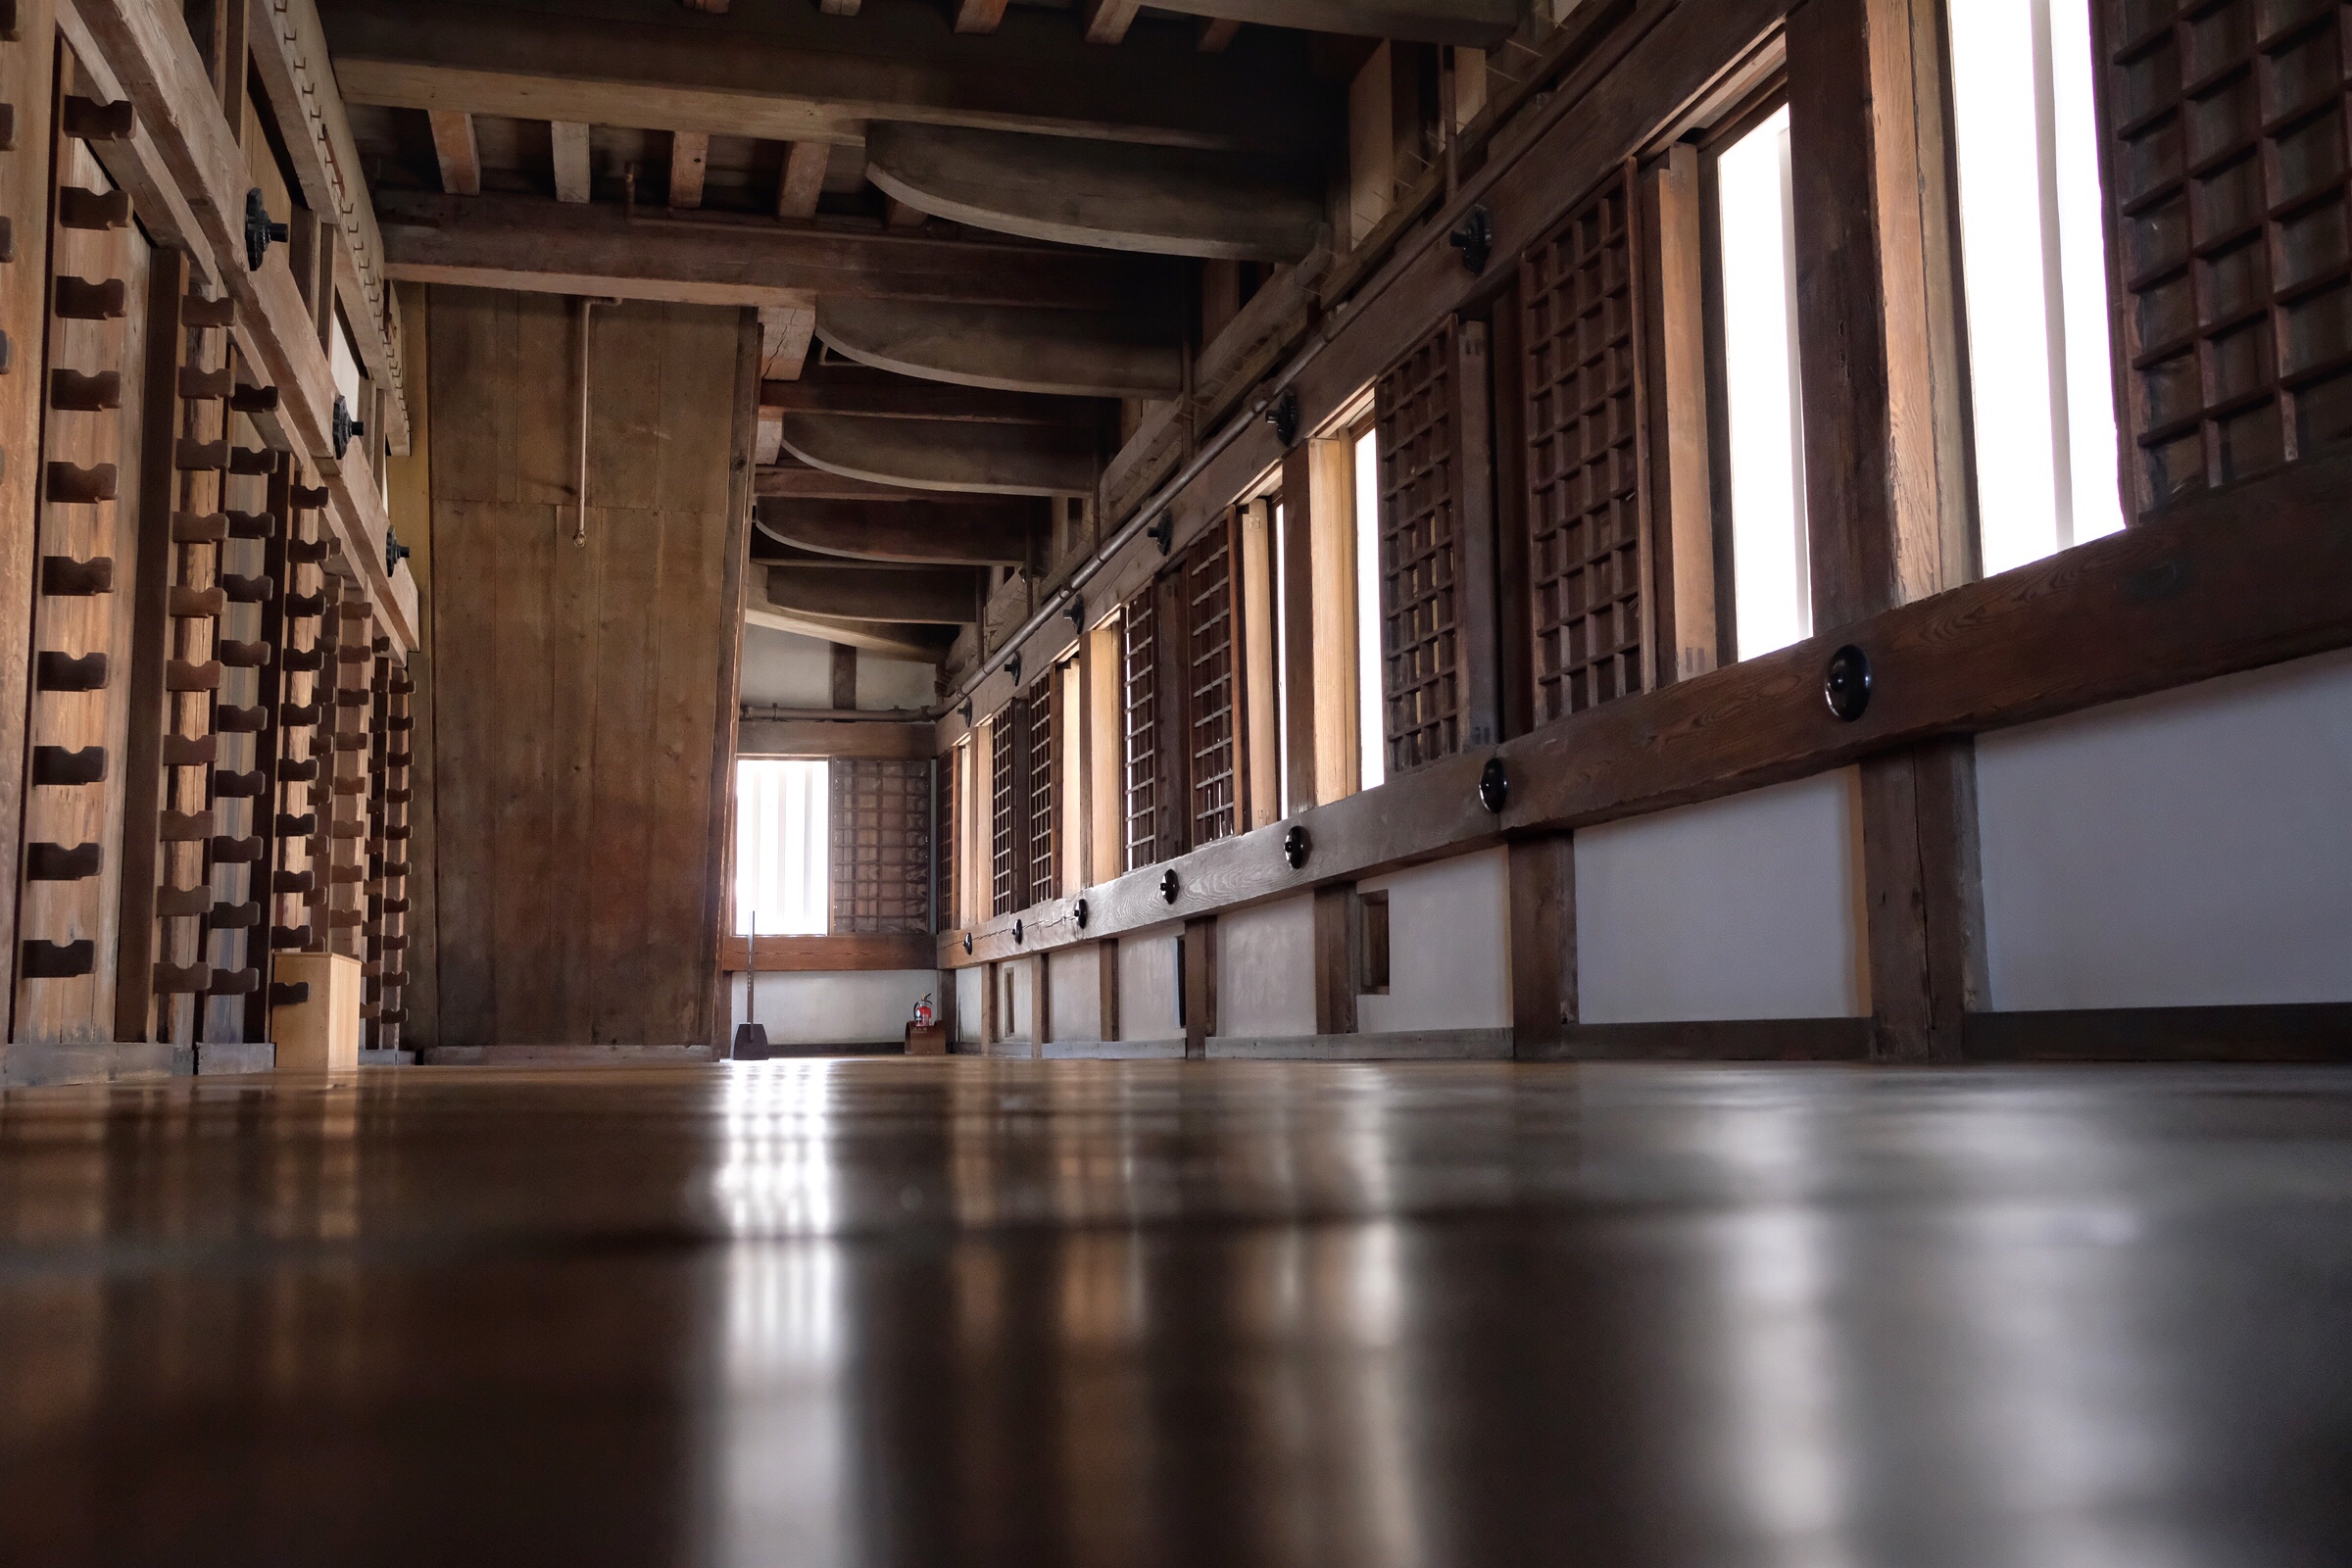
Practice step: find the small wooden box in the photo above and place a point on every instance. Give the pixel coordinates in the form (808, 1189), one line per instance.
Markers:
(931, 1042)
(323, 1033)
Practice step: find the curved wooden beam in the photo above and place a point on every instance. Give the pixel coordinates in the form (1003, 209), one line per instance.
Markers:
(932, 596)
(1072, 353)
(891, 639)
(1169, 201)
(972, 533)
(999, 460)
(1479, 23)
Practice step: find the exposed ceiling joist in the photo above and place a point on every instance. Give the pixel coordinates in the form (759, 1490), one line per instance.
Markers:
(535, 244)
(689, 160)
(460, 156)
(977, 533)
(933, 596)
(788, 72)
(1108, 20)
(1170, 201)
(1008, 459)
(788, 478)
(784, 338)
(1477, 24)
(893, 639)
(979, 16)
(854, 389)
(803, 178)
(1071, 352)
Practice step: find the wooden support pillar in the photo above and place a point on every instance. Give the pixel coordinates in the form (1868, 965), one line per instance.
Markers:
(1199, 985)
(1339, 945)
(1543, 937)
(1041, 1004)
(1106, 981)
(1318, 551)
(1682, 485)
(1887, 491)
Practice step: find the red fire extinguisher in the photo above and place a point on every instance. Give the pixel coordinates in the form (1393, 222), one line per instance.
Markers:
(922, 1012)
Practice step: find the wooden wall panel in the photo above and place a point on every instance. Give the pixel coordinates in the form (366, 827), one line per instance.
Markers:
(579, 687)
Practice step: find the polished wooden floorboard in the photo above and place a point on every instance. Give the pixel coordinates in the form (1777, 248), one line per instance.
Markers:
(1019, 1313)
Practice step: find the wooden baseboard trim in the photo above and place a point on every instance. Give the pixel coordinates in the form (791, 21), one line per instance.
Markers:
(2309, 1032)
(28, 1064)
(1709, 1039)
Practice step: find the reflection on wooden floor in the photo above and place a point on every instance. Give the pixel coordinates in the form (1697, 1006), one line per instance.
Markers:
(955, 1312)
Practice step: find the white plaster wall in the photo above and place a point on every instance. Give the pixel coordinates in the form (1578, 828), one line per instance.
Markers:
(884, 683)
(971, 996)
(1266, 970)
(1449, 950)
(2189, 849)
(866, 1007)
(1076, 982)
(1148, 984)
(786, 669)
(1745, 907)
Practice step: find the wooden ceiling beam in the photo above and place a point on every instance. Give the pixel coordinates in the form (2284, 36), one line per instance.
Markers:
(876, 393)
(569, 139)
(788, 72)
(460, 153)
(1006, 459)
(891, 639)
(784, 338)
(1108, 20)
(1067, 353)
(971, 533)
(1477, 24)
(979, 16)
(931, 596)
(1170, 201)
(788, 478)
(803, 178)
(538, 245)
(689, 161)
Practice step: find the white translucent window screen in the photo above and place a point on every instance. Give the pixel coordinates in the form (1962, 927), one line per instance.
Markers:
(1772, 577)
(1371, 734)
(1282, 663)
(343, 363)
(2034, 270)
(781, 848)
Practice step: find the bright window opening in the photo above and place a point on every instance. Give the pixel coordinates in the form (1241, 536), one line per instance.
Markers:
(1282, 663)
(781, 841)
(2034, 270)
(1772, 577)
(1371, 733)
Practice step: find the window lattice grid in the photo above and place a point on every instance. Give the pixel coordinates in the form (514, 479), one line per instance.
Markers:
(1420, 556)
(1583, 422)
(1208, 613)
(881, 832)
(2229, 171)
(1043, 756)
(943, 847)
(1139, 629)
(1008, 826)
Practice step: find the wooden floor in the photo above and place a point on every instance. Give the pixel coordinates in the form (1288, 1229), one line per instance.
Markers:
(980, 1312)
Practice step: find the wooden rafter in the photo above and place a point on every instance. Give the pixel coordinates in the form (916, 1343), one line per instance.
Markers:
(689, 161)
(979, 16)
(460, 155)
(803, 179)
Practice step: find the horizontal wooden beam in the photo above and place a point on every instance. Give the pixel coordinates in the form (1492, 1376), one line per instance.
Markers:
(822, 737)
(1067, 352)
(1169, 201)
(786, 72)
(1479, 23)
(933, 596)
(979, 533)
(791, 479)
(854, 389)
(2226, 581)
(1008, 459)
(2280, 1031)
(544, 246)
(819, 955)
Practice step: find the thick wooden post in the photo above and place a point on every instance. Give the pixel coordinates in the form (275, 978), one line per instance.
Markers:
(1339, 940)
(1886, 489)
(1543, 937)
(1199, 985)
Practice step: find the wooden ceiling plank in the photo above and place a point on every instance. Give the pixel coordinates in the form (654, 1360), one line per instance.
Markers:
(974, 533)
(1067, 353)
(570, 140)
(689, 161)
(460, 155)
(1010, 460)
(788, 72)
(1169, 201)
(540, 245)
(803, 178)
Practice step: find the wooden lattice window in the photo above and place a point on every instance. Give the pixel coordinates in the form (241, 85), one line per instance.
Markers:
(1139, 626)
(1207, 588)
(943, 846)
(2227, 165)
(1585, 503)
(1009, 812)
(1043, 769)
(881, 832)
(1420, 556)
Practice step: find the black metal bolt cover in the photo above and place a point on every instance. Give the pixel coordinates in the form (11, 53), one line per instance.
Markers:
(1078, 913)
(967, 944)
(1846, 686)
(260, 232)
(1170, 887)
(1474, 237)
(345, 426)
(1295, 847)
(1283, 416)
(1017, 933)
(1493, 786)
